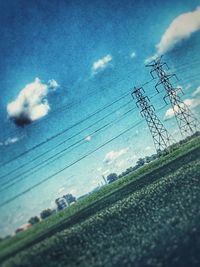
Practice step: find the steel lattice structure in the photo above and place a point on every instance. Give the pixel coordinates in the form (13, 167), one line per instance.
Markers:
(187, 122)
(162, 139)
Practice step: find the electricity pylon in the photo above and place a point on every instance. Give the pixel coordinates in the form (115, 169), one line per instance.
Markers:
(186, 120)
(161, 138)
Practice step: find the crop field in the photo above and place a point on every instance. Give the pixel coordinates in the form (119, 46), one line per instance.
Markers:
(148, 218)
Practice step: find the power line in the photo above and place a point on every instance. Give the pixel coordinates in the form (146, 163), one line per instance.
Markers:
(65, 130)
(71, 164)
(74, 125)
(191, 77)
(54, 157)
(68, 166)
(74, 103)
(64, 141)
(186, 120)
(161, 138)
(60, 133)
(69, 128)
(74, 145)
(56, 146)
(185, 65)
(51, 149)
(92, 92)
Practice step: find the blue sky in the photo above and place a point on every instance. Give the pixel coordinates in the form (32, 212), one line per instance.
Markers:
(84, 55)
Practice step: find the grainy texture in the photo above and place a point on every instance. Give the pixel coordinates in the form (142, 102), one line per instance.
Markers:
(103, 198)
(157, 225)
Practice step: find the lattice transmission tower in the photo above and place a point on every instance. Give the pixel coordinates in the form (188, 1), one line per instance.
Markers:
(162, 139)
(186, 120)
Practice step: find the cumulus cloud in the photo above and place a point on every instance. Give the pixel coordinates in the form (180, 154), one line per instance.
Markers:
(101, 64)
(192, 103)
(182, 27)
(113, 155)
(169, 114)
(196, 92)
(31, 104)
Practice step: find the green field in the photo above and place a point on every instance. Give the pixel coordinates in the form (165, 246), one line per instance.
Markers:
(148, 218)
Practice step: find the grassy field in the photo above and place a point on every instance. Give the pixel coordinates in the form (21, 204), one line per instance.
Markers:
(117, 220)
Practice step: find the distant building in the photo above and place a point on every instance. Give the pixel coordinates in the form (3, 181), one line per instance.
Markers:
(70, 199)
(61, 203)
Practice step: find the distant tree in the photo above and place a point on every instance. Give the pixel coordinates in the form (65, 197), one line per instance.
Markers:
(154, 156)
(45, 213)
(165, 152)
(61, 203)
(33, 220)
(140, 162)
(147, 159)
(69, 198)
(111, 177)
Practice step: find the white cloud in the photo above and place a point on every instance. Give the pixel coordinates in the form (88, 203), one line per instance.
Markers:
(31, 103)
(88, 138)
(196, 92)
(10, 141)
(113, 155)
(133, 55)
(53, 84)
(101, 63)
(180, 28)
(192, 103)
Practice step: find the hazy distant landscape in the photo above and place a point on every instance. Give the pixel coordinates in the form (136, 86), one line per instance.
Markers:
(100, 133)
(138, 219)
